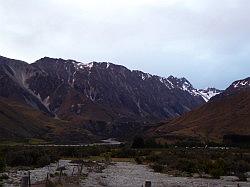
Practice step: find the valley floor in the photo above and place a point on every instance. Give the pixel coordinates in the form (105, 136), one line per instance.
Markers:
(122, 174)
(130, 174)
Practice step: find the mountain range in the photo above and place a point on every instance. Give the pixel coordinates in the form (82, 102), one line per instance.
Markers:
(225, 115)
(101, 99)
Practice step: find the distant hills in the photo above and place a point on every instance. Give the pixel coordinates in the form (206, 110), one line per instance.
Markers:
(225, 115)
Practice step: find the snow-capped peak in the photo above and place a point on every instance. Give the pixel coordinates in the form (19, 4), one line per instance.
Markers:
(239, 85)
(208, 93)
(181, 83)
(185, 85)
(242, 83)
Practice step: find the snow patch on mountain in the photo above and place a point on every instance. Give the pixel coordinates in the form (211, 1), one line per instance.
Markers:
(242, 83)
(81, 65)
(239, 85)
(208, 93)
(185, 85)
(166, 82)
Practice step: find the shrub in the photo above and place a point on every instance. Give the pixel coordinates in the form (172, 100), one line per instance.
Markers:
(43, 161)
(2, 164)
(187, 165)
(4, 177)
(218, 168)
(151, 143)
(106, 156)
(139, 160)
(216, 172)
(123, 153)
(138, 143)
(157, 167)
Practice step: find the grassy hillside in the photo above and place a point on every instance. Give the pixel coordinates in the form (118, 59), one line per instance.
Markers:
(19, 122)
(219, 117)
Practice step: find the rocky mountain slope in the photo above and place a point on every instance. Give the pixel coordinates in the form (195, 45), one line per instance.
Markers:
(225, 114)
(20, 122)
(97, 94)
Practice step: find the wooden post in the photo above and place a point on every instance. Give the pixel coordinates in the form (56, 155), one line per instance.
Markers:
(25, 181)
(29, 178)
(58, 164)
(60, 175)
(73, 171)
(81, 168)
(47, 179)
(148, 184)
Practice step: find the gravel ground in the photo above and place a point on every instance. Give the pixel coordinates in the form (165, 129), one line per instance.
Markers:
(125, 174)
(40, 174)
(121, 174)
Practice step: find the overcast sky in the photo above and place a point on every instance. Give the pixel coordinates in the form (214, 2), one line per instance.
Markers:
(206, 41)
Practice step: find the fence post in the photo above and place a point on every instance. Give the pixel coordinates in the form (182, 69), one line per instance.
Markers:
(29, 178)
(148, 184)
(47, 179)
(25, 181)
(60, 175)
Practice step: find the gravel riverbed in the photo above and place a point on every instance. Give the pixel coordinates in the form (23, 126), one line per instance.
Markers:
(119, 174)
(125, 174)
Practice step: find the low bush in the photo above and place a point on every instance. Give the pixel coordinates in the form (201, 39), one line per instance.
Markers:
(2, 164)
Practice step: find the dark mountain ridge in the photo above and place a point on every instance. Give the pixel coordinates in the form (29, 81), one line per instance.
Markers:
(96, 96)
(224, 115)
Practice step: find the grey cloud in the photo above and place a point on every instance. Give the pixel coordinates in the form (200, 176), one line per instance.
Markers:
(206, 41)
